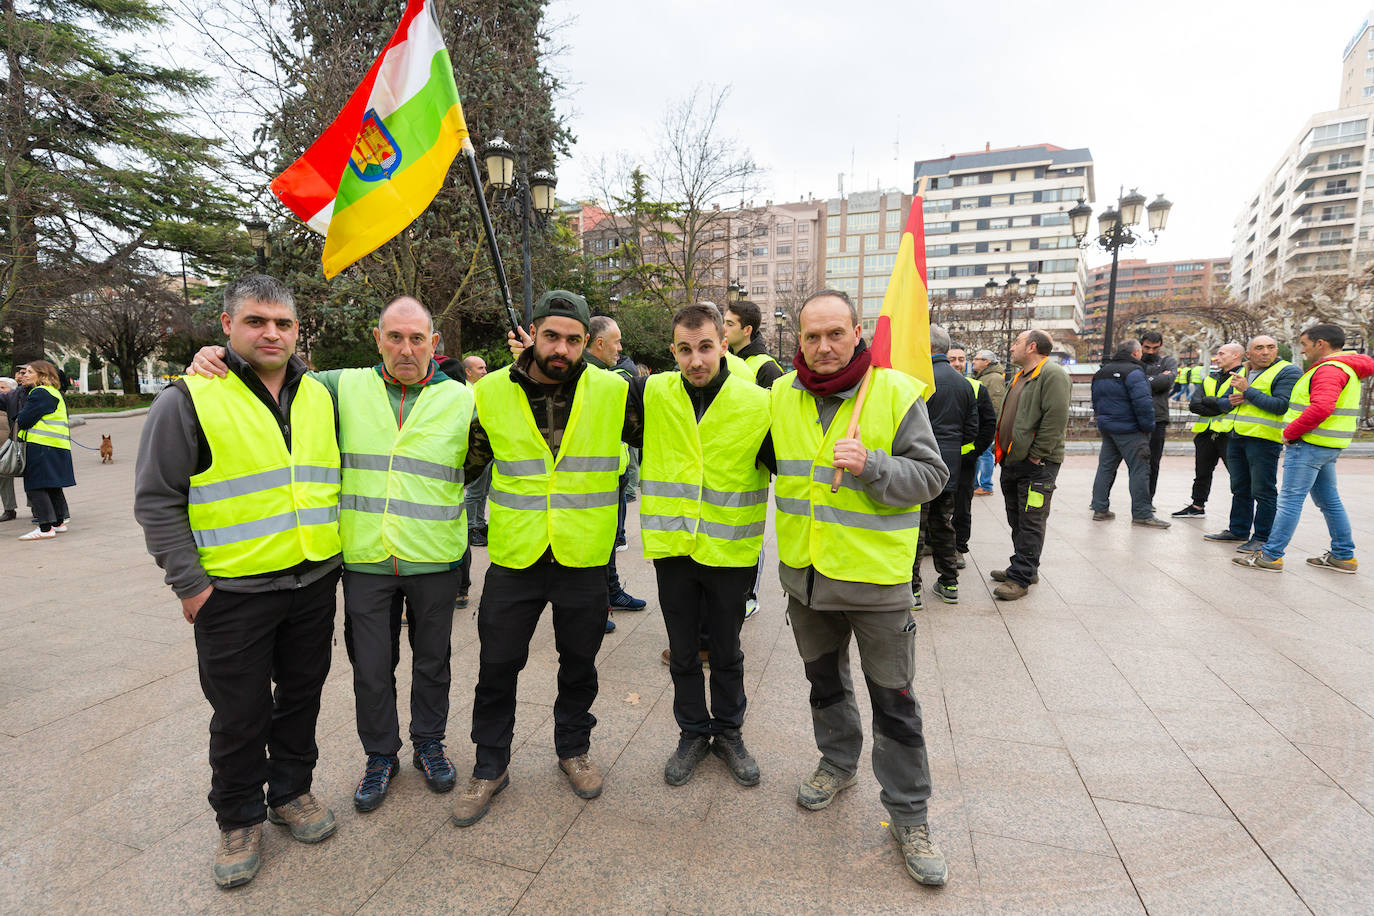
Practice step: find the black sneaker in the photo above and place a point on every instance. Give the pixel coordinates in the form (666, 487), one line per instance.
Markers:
(624, 601)
(730, 748)
(916, 602)
(372, 787)
(461, 602)
(1227, 535)
(949, 594)
(439, 773)
(690, 751)
(477, 537)
(1189, 511)
(1250, 546)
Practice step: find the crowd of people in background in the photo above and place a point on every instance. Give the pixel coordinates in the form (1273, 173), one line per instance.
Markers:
(35, 418)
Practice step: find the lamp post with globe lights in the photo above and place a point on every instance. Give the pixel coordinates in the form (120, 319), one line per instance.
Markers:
(529, 198)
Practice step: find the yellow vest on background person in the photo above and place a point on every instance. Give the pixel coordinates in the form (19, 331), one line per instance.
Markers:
(259, 508)
(977, 389)
(569, 501)
(704, 496)
(1337, 430)
(51, 429)
(846, 535)
(738, 366)
(1261, 424)
(758, 361)
(403, 490)
(1221, 423)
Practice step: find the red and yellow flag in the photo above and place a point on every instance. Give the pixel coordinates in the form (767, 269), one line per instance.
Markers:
(901, 339)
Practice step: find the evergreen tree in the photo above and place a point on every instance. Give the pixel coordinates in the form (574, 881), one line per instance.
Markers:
(97, 168)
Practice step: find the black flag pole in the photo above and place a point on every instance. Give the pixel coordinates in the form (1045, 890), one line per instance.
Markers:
(471, 157)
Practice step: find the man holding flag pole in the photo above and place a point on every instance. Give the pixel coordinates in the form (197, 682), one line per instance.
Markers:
(855, 459)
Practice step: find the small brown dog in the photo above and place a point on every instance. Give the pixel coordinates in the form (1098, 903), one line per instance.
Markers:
(106, 450)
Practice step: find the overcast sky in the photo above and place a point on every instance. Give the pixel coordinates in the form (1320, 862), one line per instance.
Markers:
(1197, 100)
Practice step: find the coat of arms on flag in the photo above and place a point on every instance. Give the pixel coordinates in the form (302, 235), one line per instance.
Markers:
(375, 155)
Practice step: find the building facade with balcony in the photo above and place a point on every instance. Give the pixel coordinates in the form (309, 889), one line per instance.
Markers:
(1139, 280)
(999, 213)
(861, 233)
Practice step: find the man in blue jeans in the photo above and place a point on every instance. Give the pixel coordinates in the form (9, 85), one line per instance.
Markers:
(988, 371)
(1321, 419)
(1258, 402)
(1126, 419)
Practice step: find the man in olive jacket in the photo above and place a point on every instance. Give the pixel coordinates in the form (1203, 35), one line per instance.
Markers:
(1030, 447)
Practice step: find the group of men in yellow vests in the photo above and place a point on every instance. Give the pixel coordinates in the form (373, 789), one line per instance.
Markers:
(260, 484)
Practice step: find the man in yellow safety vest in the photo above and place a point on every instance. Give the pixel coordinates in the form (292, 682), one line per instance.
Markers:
(845, 561)
(1212, 431)
(237, 491)
(1322, 416)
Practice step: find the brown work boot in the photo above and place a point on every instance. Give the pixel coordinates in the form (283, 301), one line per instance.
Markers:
(472, 803)
(583, 774)
(239, 855)
(1000, 575)
(1010, 591)
(310, 821)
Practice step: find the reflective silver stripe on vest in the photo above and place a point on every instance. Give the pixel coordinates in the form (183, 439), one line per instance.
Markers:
(734, 500)
(1321, 433)
(669, 489)
(55, 422)
(420, 468)
(1346, 412)
(732, 532)
(589, 465)
(584, 500)
(665, 523)
(379, 505)
(275, 524)
(240, 486)
(793, 506)
(1260, 421)
(35, 431)
(826, 475)
(534, 502)
(314, 473)
(528, 467)
(794, 468)
(853, 519)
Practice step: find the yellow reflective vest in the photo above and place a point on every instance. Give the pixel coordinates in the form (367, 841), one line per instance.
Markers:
(258, 508)
(1337, 430)
(1261, 424)
(402, 488)
(51, 429)
(738, 366)
(704, 496)
(846, 535)
(977, 388)
(569, 501)
(1222, 423)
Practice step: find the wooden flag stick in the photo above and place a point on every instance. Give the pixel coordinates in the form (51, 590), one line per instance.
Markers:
(854, 422)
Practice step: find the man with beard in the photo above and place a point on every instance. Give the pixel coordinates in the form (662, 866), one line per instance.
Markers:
(552, 427)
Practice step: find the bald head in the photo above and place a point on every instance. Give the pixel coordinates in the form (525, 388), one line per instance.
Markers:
(474, 367)
(1229, 355)
(406, 339)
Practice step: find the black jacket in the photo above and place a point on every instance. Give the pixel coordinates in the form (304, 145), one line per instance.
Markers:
(1160, 372)
(953, 414)
(987, 422)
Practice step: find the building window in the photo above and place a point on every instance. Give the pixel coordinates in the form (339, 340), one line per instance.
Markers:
(760, 230)
(803, 228)
(1367, 91)
(803, 247)
(832, 244)
(841, 266)
(941, 184)
(832, 224)
(760, 270)
(937, 206)
(1054, 219)
(718, 273)
(784, 248)
(875, 285)
(861, 222)
(892, 240)
(894, 219)
(851, 243)
(937, 228)
(879, 262)
(783, 229)
(760, 251)
(759, 289)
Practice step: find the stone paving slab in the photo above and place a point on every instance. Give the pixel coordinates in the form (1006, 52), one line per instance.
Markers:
(1151, 730)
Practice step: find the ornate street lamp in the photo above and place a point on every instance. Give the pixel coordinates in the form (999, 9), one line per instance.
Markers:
(257, 238)
(1006, 297)
(779, 316)
(1114, 233)
(734, 292)
(528, 196)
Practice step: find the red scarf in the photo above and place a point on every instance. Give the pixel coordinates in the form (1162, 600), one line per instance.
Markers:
(825, 386)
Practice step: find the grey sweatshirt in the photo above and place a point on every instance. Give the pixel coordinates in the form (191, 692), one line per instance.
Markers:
(911, 474)
(172, 449)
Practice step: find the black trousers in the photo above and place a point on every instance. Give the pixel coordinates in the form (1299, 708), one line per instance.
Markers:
(704, 604)
(963, 501)
(1208, 449)
(369, 602)
(49, 506)
(512, 601)
(244, 643)
(1026, 492)
(1156, 453)
(937, 529)
(465, 572)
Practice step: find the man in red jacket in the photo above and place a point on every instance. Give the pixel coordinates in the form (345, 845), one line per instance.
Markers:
(1322, 415)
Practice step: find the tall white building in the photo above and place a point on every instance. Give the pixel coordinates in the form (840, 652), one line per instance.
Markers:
(1311, 216)
(995, 213)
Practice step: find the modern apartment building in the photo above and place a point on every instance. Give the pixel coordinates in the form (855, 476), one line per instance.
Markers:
(862, 232)
(1138, 279)
(995, 213)
(1311, 216)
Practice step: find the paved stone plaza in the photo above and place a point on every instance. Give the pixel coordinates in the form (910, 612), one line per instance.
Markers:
(1152, 729)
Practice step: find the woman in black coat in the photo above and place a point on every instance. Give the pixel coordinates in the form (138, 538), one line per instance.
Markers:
(47, 469)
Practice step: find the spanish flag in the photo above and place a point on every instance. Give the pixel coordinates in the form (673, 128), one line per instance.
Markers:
(383, 160)
(901, 339)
